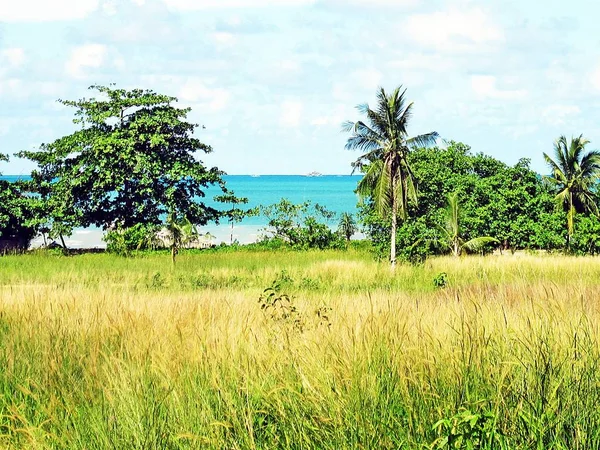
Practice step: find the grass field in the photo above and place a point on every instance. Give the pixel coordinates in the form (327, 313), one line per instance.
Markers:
(100, 351)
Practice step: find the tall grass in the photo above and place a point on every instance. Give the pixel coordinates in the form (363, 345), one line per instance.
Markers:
(105, 352)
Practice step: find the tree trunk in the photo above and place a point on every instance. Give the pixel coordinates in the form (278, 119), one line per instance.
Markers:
(570, 221)
(173, 254)
(45, 241)
(393, 239)
(231, 237)
(394, 225)
(65, 250)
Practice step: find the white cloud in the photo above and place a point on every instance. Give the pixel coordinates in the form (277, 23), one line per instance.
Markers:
(287, 65)
(21, 88)
(485, 86)
(85, 57)
(46, 10)
(109, 7)
(397, 3)
(454, 30)
(595, 78)
(189, 5)
(424, 62)
(291, 113)
(195, 90)
(557, 115)
(224, 39)
(367, 78)
(11, 86)
(339, 114)
(14, 57)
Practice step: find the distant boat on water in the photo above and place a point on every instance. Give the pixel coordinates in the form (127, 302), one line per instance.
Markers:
(255, 176)
(314, 174)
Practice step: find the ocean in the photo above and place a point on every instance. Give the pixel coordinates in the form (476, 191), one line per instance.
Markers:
(334, 192)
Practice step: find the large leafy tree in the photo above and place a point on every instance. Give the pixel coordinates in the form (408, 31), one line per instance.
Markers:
(384, 140)
(17, 224)
(133, 160)
(574, 173)
(512, 204)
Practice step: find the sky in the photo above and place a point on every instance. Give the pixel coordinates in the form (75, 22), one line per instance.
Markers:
(273, 80)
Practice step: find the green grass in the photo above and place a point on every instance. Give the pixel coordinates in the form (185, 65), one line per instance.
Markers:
(101, 352)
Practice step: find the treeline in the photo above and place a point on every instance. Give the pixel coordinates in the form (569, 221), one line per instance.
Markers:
(421, 198)
(512, 204)
(132, 168)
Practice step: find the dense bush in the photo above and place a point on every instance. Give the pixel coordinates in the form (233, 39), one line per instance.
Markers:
(302, 226)
(17, 224)
(511, 204)
(124, 241)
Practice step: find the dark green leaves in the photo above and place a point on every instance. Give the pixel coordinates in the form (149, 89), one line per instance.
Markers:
(134, 161)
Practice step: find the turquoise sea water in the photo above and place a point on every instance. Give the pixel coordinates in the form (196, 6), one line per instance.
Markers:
(335, 192)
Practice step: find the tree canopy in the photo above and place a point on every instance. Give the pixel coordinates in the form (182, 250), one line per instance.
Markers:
(512, 204)
(574, 174)
(132, 161)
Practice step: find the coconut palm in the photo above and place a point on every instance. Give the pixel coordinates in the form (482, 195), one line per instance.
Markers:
(385, 143)
(451, 231)
(180, 233)
(347, 226)
(574, 173)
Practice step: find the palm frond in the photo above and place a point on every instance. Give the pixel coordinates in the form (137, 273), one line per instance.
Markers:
(452, 221)
(424, 141)
(559, 175)
(477, 244)
(382, 194)
(366, 185)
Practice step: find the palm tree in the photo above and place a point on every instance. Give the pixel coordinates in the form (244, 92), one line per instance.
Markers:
(384, 141)
(180, 233)
(451, 230)
(574, 174)
(347, 226)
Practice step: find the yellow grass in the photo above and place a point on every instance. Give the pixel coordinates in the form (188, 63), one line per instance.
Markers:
(97, 353)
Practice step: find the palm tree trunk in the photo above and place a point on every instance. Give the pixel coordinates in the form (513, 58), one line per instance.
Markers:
(173, 254)
(570, 221)
(393, 240)
(394, 225)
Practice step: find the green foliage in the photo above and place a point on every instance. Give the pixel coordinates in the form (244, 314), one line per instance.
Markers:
(513, 205)
(17, 216)
(574, 174)
(347, 226)
(467, 430)
(132, 161)
(279, 307)
(452, 234)
(388, 178)
(125, 241)
(235, 213)
(440, 281)
(586, 239)
(302, 226)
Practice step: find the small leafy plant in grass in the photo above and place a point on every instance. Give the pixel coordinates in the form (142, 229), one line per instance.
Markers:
(280, 307)
(441, 280)
(156, 281)
(467, 430)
